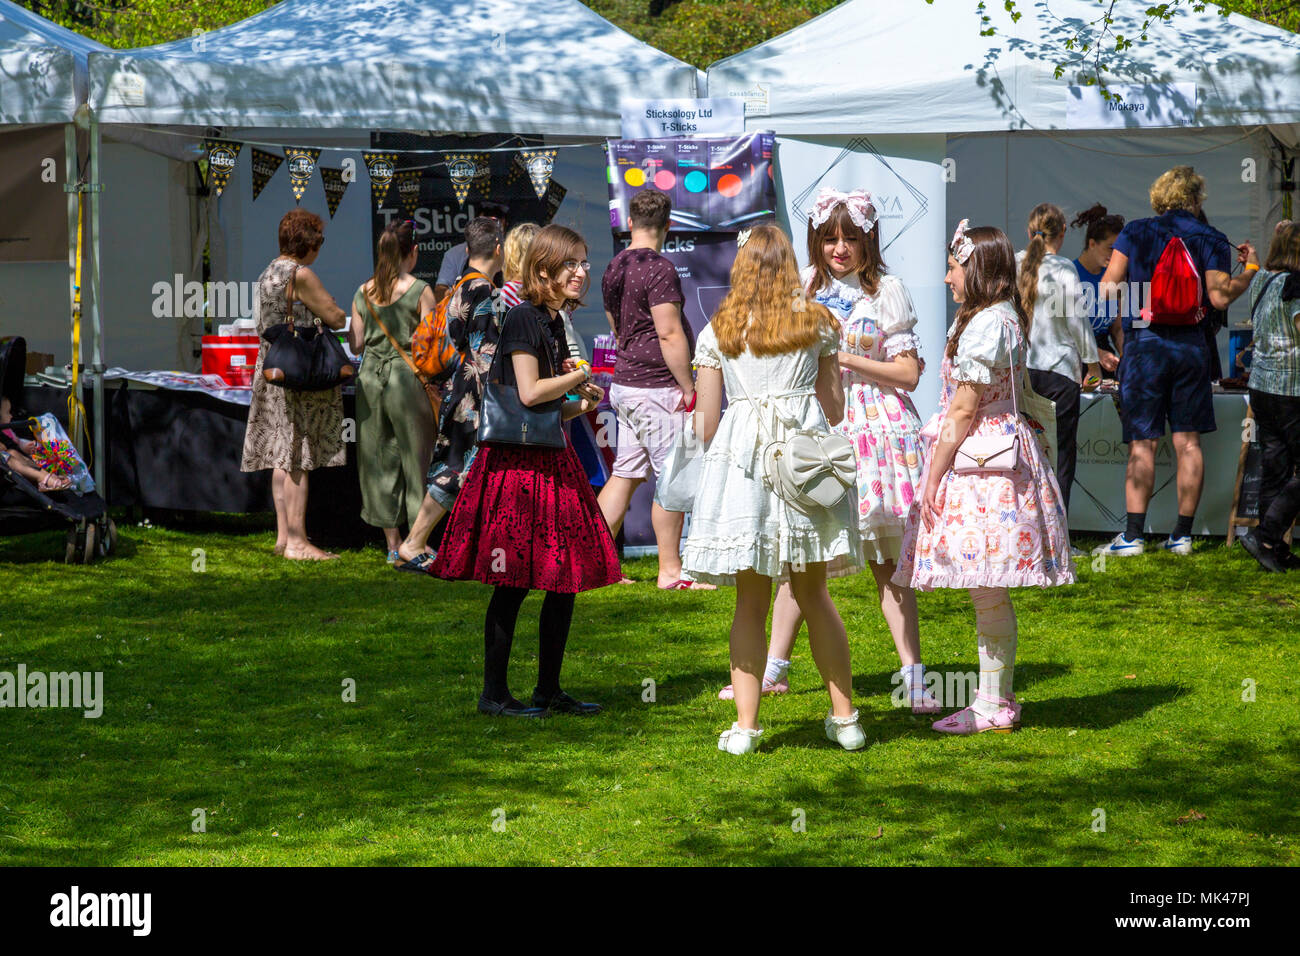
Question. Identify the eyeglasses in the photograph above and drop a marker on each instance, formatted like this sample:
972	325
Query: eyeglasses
574	265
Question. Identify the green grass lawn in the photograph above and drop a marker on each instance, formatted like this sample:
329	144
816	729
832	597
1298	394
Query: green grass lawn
223	691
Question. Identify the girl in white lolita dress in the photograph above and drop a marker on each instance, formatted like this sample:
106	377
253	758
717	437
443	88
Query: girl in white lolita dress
774	356
879	365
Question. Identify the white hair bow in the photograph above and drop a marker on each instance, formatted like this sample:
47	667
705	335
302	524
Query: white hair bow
961	247
861	207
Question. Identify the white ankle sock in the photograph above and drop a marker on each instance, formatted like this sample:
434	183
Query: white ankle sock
776	669
914	679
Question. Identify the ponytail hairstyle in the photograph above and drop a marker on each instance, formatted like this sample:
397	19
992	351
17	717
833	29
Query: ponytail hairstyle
1045	222
395	244
1100	225
990	269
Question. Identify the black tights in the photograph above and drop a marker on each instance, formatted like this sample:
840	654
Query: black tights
499	634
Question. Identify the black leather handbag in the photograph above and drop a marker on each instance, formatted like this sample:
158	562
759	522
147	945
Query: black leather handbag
304	358
504	418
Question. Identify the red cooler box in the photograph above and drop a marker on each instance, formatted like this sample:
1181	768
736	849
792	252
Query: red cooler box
233	357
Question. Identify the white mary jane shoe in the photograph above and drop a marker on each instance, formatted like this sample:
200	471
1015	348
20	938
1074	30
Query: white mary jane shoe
738	740
846	731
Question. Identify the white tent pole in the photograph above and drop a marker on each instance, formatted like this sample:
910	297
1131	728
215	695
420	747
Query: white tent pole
97	352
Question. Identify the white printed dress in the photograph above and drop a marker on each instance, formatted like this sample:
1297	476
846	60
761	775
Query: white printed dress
738	523
881	421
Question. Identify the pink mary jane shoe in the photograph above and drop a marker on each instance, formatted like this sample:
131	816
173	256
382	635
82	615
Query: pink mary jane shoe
965	722
769	687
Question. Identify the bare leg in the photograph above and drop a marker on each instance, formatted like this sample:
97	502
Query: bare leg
786	621
826	636
748	657
1191	471
614	499
898	605
668	536
278	476
392	539
1140	477
297	546
417	541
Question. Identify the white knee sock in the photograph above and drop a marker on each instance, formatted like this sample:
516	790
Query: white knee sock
995	626
776	669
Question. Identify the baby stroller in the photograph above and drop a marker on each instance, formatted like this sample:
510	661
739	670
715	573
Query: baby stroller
24	508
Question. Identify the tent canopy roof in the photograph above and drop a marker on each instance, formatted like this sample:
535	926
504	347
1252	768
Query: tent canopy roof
522	66
914	67
42	68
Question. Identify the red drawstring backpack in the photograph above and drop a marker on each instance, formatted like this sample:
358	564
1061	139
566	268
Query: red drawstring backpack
1176	296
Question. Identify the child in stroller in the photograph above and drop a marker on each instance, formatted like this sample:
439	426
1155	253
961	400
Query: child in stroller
19	458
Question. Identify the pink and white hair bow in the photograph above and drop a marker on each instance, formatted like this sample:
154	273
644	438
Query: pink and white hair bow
961	247
862	209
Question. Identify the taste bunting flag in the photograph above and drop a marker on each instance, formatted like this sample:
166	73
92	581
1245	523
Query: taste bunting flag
540	164
302	166
335	187
380	167
222	156
264	167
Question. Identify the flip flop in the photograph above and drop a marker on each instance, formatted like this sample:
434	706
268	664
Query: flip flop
683	585
420	564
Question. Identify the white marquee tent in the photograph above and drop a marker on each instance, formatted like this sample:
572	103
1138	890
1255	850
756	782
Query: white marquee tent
981	127
42	68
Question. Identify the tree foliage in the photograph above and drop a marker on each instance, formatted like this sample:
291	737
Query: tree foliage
697	31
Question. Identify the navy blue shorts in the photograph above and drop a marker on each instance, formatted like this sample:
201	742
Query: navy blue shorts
1165	377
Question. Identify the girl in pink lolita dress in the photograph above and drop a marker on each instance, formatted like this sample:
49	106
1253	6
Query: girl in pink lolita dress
986	531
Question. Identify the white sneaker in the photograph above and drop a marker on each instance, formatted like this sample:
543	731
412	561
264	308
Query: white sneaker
738	740
1181	545
846	731
1121	547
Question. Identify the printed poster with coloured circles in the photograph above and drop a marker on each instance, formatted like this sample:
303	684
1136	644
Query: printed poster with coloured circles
716	184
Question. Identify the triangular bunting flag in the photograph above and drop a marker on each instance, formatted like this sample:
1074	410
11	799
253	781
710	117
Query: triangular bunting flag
302	166
335	187
408	190
264	167
380	166
222	156
540	164
483	178
463	170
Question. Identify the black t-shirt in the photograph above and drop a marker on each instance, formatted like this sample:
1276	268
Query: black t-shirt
527	328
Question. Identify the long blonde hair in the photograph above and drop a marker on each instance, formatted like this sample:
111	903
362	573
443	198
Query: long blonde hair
516	246
765	285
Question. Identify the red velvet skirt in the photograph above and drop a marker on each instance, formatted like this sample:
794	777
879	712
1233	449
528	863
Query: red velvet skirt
527	518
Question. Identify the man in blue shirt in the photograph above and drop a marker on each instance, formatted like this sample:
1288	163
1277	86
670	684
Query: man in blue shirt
1165	369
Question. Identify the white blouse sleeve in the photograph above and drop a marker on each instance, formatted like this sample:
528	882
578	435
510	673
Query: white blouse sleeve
706	350
830	342
897	317
984	345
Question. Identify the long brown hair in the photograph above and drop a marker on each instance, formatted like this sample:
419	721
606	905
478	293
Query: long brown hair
765	285
990	279
395	244
1046	223
551	248
840	223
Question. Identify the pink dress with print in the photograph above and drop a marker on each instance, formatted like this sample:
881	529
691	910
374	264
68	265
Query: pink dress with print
996	529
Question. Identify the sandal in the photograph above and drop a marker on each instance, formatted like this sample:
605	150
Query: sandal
967	721
51	482
420	564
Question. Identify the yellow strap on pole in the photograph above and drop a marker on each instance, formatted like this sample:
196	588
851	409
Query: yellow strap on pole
77	408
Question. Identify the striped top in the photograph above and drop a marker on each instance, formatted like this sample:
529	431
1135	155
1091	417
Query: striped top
1275	362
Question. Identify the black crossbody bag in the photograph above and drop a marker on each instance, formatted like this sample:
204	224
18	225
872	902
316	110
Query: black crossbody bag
505	419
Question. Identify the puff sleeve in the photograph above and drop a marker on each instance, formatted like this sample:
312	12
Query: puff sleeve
984	345
897	317
829	342
706	350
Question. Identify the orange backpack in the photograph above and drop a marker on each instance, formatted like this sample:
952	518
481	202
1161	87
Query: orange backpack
431	347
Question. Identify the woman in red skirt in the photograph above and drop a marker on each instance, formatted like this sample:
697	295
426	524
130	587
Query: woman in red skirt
526	518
